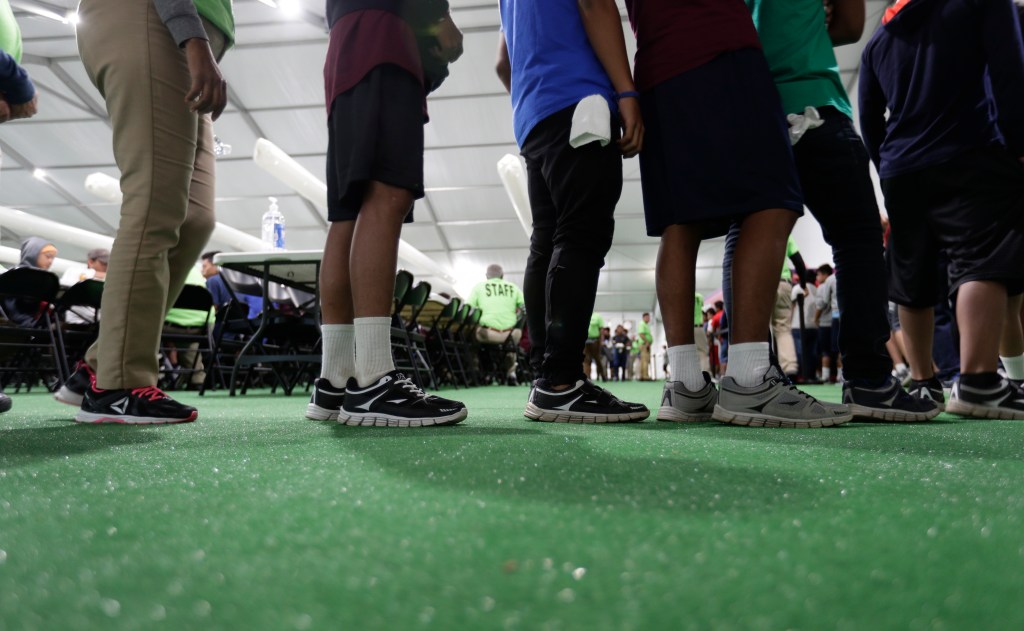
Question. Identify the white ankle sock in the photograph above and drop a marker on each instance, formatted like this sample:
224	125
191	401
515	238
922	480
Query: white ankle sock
826	373
748	362
373	350
339	348
685	365
900	367
1014	366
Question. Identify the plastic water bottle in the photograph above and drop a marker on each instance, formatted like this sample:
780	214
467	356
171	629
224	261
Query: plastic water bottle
273	227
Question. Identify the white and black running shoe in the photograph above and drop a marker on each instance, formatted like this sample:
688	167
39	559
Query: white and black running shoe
1003	401
583	403
325	402
73	390
928	389
888	402
395	401
138	406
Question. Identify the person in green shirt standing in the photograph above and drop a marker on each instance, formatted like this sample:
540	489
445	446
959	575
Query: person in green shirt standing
797	37
593	351
500	302
155	64
645	339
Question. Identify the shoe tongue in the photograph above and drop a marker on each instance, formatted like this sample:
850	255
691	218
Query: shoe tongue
773	372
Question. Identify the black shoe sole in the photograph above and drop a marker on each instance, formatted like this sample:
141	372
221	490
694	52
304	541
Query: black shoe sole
866	414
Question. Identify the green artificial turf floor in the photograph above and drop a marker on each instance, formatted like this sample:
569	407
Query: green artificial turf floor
255	518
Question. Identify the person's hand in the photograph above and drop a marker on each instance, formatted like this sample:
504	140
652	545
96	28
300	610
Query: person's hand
449	41
632	141
828	12
10	112
209	91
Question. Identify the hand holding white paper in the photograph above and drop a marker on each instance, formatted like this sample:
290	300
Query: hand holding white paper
592	121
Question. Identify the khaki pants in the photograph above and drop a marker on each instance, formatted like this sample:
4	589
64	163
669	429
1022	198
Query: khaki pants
485	335
592	352
165	154
782	328
645	362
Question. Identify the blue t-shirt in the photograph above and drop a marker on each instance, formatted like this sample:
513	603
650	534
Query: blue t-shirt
553	64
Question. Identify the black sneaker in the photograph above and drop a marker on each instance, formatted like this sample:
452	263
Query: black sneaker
326	401
583	403
929	389
73	390
1004	401
395	401
5	403
138	406
888	402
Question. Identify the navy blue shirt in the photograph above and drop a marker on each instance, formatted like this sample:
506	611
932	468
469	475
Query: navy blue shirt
927	67
15	85
553	65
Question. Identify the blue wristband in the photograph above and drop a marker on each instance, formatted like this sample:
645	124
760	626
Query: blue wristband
627	95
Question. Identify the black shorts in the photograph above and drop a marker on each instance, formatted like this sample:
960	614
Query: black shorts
374	133
973	208
716	146
827	340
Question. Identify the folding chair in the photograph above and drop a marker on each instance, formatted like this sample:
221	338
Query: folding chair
78	312
32	352
193	341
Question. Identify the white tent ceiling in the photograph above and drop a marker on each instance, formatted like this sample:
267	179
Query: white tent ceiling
276	82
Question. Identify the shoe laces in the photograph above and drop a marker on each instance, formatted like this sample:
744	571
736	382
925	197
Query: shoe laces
409	386
784	380
151	392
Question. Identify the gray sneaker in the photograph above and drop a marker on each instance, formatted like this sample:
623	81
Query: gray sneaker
680	405
774	403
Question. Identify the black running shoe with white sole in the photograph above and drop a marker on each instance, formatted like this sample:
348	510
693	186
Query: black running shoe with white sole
395	401
929	390
73	390
887	402
1003	401
585	402
5	403
138	406
325	403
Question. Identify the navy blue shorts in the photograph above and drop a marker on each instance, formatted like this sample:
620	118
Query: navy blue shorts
716	146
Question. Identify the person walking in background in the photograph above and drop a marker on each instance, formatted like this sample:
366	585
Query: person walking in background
645	339
593	351
575	115
155	63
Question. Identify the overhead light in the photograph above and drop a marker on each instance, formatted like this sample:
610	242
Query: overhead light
290	8
513	177
105	187
269	3
39	174
220	149
72	18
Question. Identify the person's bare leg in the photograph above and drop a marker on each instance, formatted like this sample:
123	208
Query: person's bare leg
755	273
335	276
677	262
372	263
1011	344
918	336
894	353
980	310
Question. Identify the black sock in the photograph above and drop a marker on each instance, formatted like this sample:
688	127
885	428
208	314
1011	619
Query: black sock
981	380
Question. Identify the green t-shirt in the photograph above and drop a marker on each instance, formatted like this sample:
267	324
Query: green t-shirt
190	317
498	299
796	43
10	34
220	13
791	249
698	309
643	332
596	324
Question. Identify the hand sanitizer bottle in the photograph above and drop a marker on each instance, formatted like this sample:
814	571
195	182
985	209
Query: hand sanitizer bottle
273	227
